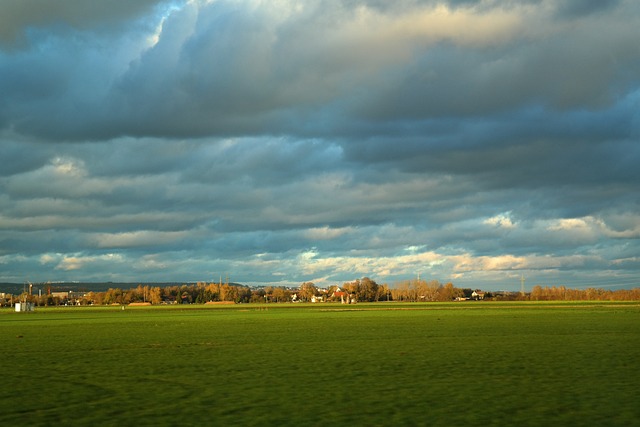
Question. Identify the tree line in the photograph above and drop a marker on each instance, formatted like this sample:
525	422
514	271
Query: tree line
562	293
359	290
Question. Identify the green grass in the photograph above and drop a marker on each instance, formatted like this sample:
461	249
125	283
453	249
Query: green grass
472	364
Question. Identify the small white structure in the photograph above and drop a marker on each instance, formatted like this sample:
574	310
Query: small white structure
24	306
477	295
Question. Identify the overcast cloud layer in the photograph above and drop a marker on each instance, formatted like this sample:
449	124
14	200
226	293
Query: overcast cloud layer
286	141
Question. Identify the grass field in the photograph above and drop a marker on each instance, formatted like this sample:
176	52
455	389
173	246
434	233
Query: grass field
467	364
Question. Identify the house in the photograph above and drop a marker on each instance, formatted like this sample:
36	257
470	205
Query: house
477	295
62	295
340	294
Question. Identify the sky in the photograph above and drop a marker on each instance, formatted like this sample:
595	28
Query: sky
278	142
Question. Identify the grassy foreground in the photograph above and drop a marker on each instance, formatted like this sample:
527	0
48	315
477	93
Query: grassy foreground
472	364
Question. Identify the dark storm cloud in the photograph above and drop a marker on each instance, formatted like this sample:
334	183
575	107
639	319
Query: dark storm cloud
21	156
579	8
354	74
527	149
21	16
228	68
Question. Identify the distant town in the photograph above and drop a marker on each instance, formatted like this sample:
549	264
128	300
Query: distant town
361	290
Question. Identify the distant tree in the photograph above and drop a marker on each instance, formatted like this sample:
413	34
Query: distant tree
129	297
448	292
307	291
368	290
280	294
138	294
96	297
244	294
229	293
155	295
384	293
428	291
112	296
402	291
536	293
259	295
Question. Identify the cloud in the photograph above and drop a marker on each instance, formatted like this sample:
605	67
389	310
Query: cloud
502	221
288	141
228	68
578	8
138	239
366	66
325	233
217	197
590	226
79	261
20	16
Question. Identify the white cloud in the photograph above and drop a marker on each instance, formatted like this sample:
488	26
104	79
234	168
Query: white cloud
592	226
48	259
501	221
80	262
326	233
138	239
572	224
